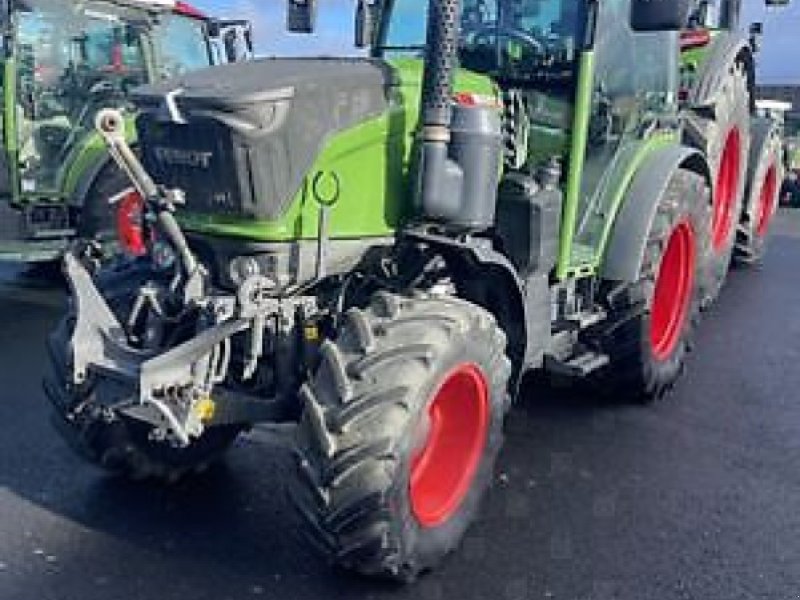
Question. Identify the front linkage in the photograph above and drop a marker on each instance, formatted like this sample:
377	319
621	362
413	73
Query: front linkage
176	392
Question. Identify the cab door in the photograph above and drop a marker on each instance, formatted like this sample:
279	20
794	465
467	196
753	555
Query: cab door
634	80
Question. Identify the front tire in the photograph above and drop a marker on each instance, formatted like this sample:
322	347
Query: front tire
401	430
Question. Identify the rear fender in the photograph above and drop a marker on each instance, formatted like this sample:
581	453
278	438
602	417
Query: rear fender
728	49
625	252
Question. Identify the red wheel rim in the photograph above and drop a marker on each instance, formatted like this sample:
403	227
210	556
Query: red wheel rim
129	223
673	291
767	201
443	470
727	188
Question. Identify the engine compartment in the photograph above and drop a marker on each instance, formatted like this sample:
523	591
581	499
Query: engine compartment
241	140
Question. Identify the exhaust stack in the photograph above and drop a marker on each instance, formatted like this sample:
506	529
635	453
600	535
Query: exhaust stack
440	65
461	146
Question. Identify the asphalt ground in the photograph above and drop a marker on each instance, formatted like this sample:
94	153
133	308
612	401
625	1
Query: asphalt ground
697	497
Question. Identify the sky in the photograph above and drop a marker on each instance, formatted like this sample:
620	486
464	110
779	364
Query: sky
779	61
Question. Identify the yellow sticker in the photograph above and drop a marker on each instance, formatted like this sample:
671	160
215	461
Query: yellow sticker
206	409
312	333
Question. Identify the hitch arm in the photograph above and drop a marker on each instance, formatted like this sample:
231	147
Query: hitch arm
111	126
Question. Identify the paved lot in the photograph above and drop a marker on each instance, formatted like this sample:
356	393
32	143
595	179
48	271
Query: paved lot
698	497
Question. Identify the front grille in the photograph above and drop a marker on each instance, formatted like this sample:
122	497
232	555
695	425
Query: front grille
201	159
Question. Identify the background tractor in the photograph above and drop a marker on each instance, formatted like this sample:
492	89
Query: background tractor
743	147
63	61
379	249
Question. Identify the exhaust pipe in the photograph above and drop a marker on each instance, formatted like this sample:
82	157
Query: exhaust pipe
440	65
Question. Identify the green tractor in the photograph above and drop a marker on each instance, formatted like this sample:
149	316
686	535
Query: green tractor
743	148
378	249
62	62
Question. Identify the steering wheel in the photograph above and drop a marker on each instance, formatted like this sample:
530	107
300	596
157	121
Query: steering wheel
514	33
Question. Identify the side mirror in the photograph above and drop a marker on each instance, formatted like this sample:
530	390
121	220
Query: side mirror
6	9
230	40
756	30
6	35
301	16
366	22
659	15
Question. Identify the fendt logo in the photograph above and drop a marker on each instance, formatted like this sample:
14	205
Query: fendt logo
176	157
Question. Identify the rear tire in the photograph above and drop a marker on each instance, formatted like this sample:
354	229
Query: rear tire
390	475
761	201
648	332
725	140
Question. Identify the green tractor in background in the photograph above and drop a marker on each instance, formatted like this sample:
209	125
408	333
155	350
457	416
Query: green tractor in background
718	79
63	61
379	249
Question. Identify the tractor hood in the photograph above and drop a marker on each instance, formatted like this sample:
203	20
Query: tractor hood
241	139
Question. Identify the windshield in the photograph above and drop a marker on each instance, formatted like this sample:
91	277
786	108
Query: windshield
519	40
72	59
181	45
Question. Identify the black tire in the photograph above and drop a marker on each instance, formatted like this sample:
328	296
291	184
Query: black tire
645	362
716	138
761	199
98	215
358	437
116	443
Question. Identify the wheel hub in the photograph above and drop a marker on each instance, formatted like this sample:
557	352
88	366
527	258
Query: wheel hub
673	291
443	470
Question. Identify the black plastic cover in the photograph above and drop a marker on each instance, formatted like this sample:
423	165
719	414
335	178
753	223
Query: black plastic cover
240	139
528	223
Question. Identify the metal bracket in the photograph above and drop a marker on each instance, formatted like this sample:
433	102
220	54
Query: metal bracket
98	340
171	104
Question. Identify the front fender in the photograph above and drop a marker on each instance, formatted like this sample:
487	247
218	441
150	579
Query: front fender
487	278
83	184
625	252
86	164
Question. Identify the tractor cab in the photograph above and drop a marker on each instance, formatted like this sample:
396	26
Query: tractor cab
532	52
557	64
73	59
